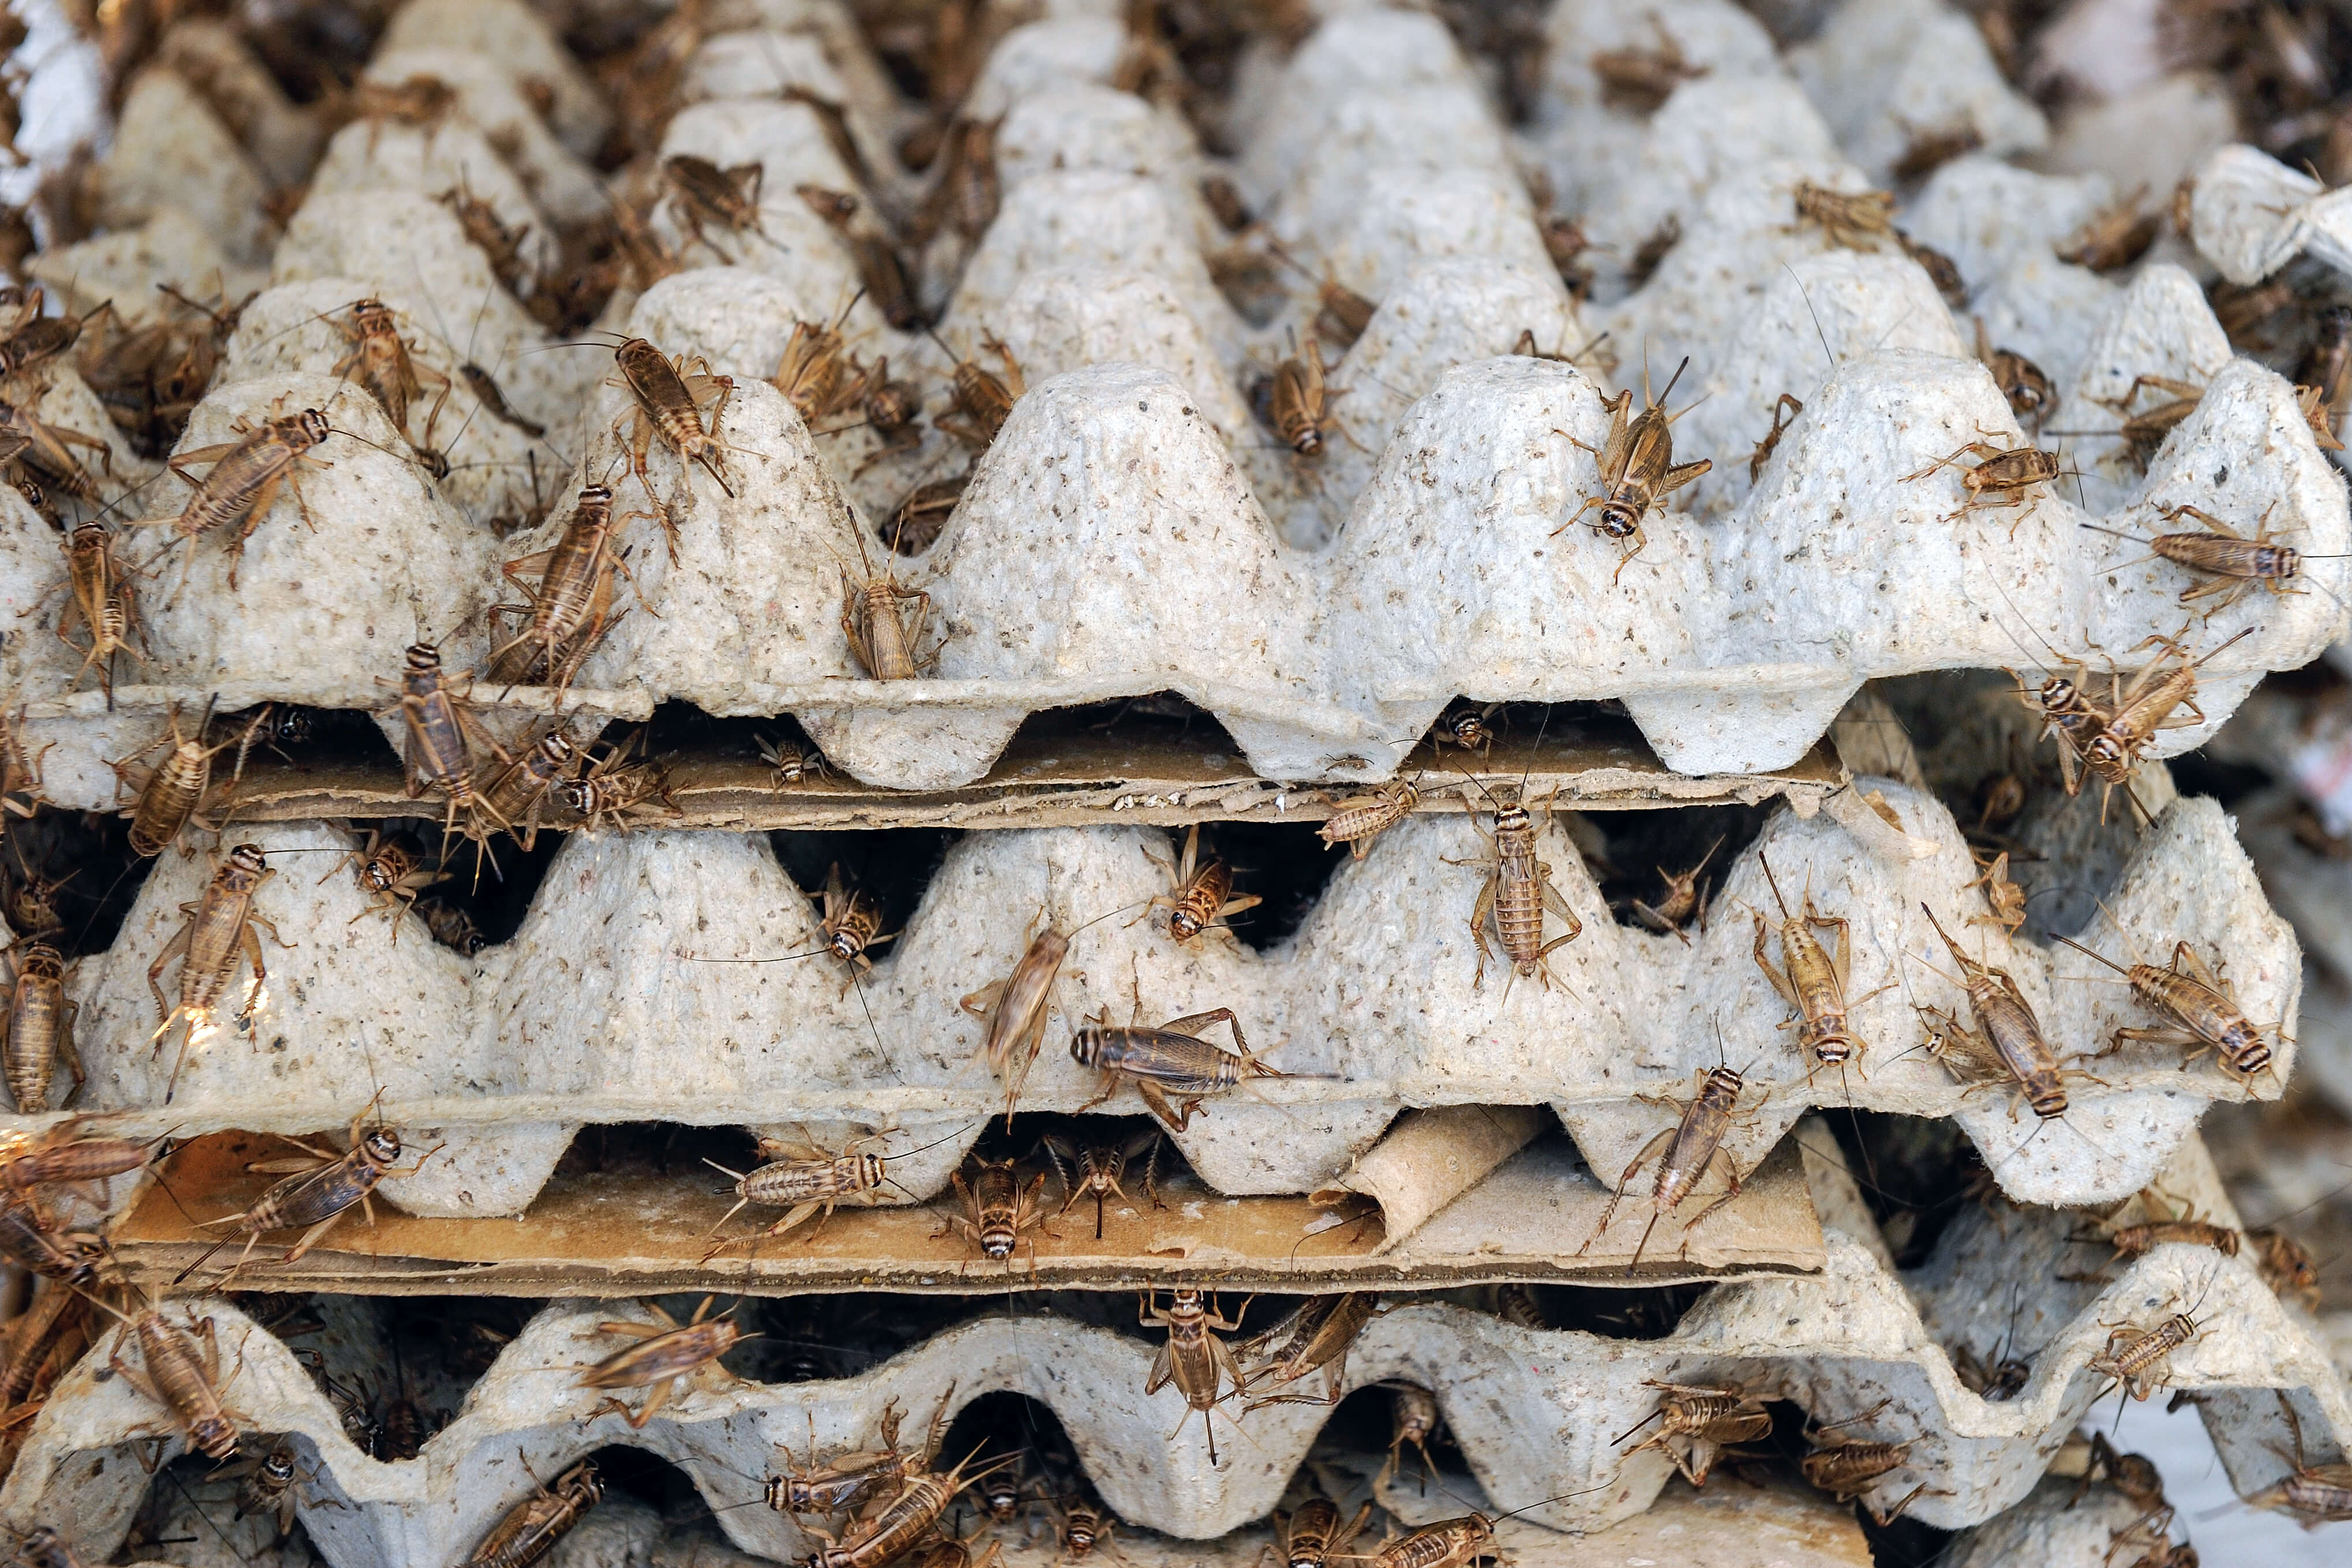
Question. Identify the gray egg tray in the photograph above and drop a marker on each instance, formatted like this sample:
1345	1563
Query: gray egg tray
603	1008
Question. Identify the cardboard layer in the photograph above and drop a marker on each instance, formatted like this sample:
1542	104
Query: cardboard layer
1058	773
595	1235
1766	1521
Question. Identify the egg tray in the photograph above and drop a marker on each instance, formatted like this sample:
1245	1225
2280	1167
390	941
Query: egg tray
602	1009
1532	1409
1183	555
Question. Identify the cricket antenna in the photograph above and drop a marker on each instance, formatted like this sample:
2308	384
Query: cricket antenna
1772	882
1816	315
2087	952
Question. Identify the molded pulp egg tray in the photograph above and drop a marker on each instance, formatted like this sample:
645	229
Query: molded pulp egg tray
1533	1409
603	1008
1132	530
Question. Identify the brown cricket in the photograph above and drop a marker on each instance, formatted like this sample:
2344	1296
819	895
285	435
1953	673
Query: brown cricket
1204	892
1318	1336
1340	313
219	933
1517	892
669	402
2004	477
885	1536
2115	237
924	512
800	1186
2009	1029
246	475
1704	1420
997	1209
792	765
571	606
615	789
381	363
36	1030
2004	898
1448	1543
665	1357
514	794
1637	467
982	401
848	1483
1016	1008
2143	1236
532	1527
1465	725
1314	1537
266	1486
2138	712
54	1319
885	639
389	874
323	1186
1812	978
2202	1006
1850	220
501	247
171	795
810	372
852	923
2024	384
1846	1467
1693	1150
486	391
2232	563
2133	1358
1685	899
2287	1267
1299	401
20	771
450	926
2144	433
102	596
1414	1418
1359	819
1192	1358
61	1157
1101	1168
1642	79
28	1241
37	338
2314	1494
701	193
182	1375
26	438
440	734
1167	1062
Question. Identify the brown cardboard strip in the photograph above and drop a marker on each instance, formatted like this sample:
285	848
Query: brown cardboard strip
594	1235
1428	1159
1059	772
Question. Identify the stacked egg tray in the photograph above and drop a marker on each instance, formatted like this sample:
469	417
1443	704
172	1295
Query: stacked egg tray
1152	614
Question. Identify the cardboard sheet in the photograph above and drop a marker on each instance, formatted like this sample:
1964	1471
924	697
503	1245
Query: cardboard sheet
1059	772
593	1236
